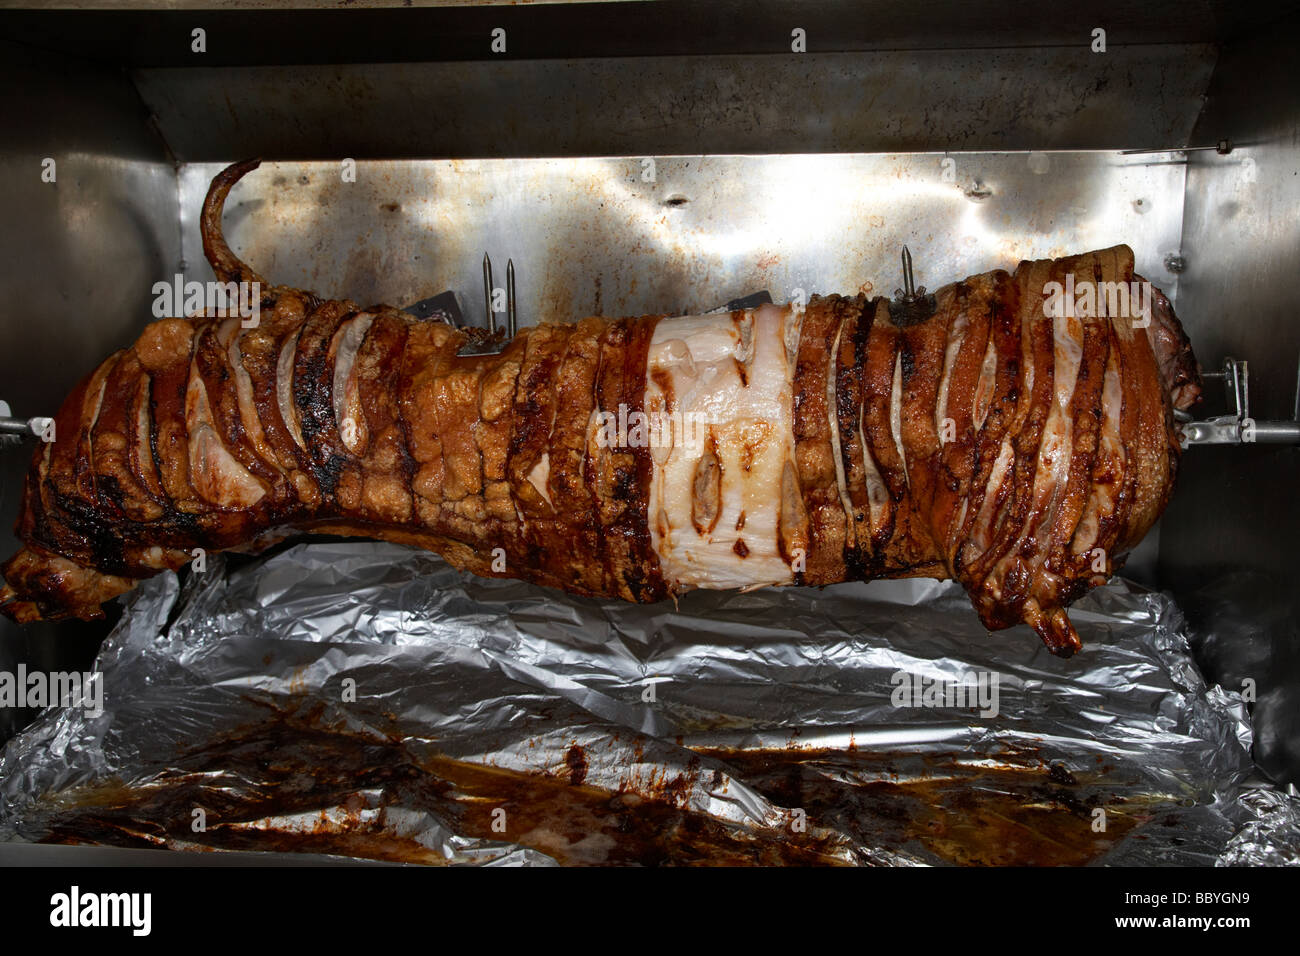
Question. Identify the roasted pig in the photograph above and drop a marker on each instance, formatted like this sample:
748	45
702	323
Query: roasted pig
1018	436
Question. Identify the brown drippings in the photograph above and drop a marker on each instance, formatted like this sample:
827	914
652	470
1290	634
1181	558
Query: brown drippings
1020	813
743	372
296	771
576	760
305	779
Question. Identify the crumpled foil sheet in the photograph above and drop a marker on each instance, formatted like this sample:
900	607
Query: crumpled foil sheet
360	699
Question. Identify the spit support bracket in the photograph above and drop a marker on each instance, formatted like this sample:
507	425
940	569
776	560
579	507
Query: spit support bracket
1238	427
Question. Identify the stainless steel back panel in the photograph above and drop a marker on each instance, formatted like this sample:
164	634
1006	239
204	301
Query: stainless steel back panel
592	236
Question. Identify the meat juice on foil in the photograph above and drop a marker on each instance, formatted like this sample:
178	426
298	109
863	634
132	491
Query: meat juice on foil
364	700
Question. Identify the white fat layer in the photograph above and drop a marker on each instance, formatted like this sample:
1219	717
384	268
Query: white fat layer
832	416
1052	468
1027	360
982	528
984	386
98	405
144	462
143	434
877	493
540	476
896	414
346	392
1110	452
95	408
984	518
215	473
284	389
228	335
731	385
1052	474
956	336
958	522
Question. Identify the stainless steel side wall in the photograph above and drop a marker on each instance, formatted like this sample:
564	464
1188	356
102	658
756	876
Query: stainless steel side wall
1229	541
78	257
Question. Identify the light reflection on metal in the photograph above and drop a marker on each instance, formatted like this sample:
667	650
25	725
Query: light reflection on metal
600	240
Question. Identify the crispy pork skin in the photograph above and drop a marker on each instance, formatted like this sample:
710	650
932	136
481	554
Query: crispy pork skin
1015	440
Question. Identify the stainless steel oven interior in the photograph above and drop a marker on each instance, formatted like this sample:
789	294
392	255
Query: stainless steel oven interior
625	170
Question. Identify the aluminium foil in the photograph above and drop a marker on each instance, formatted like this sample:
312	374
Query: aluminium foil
364	700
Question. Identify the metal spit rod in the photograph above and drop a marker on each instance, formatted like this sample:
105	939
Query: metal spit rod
1235	428
1223	147
12	429
24	428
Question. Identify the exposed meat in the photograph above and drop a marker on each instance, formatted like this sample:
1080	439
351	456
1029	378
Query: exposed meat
1017	440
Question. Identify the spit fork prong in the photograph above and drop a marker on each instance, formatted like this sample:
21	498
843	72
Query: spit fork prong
909	281
911	304
487	294
511	327
489	340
